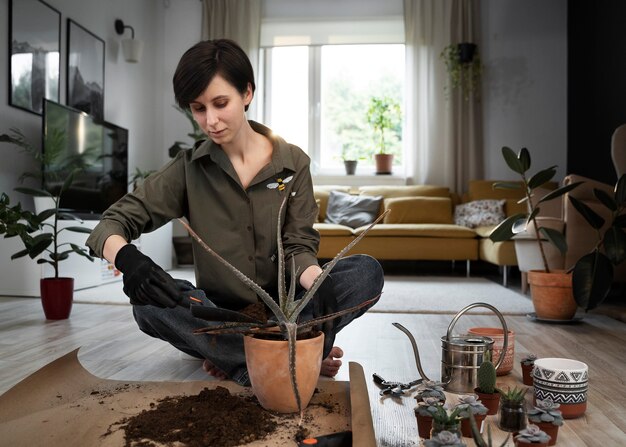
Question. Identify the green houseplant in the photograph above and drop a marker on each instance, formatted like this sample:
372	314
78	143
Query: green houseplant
443	439
532	435
486	390
547	303
470	405
285	329
40	232
464	67
527	364
196	134
446	420
547	417
383	115
424	414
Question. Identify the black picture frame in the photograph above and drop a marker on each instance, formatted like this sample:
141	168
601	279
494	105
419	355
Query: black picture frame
85	70
34	54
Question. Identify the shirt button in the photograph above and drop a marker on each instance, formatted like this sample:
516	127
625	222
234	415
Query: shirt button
250	258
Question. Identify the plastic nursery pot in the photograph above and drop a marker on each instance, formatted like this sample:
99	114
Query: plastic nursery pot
512	416
424	425
466	426
489	400
527	374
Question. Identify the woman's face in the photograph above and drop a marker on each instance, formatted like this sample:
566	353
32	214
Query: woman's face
220	110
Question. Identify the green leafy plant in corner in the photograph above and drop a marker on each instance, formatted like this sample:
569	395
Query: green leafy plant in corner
287	309
465	73
520	163
383	115
196	134
592	275
40	232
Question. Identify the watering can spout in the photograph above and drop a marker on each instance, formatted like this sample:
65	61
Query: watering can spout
415	351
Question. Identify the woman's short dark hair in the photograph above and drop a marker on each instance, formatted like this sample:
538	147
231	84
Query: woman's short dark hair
200	63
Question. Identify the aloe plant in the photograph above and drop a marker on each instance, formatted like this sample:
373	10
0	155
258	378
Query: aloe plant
288	308
478	437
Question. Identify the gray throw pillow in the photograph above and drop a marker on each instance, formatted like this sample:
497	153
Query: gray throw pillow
350	210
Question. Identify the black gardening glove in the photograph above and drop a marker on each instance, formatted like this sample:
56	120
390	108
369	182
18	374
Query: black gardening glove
325	303
144	281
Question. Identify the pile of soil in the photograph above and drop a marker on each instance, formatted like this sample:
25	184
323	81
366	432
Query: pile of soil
213	417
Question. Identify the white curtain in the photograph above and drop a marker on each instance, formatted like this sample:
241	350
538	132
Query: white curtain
239	20
443	133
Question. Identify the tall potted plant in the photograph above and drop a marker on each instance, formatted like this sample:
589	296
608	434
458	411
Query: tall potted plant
551	290
279	337
383	114
39	232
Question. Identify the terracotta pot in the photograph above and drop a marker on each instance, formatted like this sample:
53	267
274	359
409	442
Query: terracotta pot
489	400
550	429
552	294
268	368
527	374
497	334
534	444
424	425
384	163
466	425
57	295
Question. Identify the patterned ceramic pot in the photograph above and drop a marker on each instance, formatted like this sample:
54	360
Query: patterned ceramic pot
565	381
497	335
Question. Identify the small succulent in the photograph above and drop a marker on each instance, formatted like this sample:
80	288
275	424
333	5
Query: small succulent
529	359
444	438
478	437
546	411
513	396
532	434
470	404
431	388
487	378
427	407
444	416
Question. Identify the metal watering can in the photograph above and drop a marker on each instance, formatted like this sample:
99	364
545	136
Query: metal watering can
462	355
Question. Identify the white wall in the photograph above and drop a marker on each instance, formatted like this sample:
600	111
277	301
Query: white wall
525	83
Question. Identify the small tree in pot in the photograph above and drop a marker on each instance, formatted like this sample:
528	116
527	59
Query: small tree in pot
383	115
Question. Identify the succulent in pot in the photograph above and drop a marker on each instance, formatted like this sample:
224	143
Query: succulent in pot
470	405
444	438
486	390
424	414
547	417
431	388
532	435
527	364
512	411
284	325
445	419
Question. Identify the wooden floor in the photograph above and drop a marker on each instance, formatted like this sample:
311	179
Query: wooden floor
112	347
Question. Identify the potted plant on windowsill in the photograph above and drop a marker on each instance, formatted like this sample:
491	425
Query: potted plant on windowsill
383	115
551	290
278	337
464	67
39	232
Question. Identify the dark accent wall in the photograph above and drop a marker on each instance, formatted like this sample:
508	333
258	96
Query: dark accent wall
596	85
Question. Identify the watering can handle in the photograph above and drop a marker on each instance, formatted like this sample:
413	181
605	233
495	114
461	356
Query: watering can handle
498	314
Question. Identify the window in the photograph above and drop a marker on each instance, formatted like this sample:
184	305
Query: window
317	96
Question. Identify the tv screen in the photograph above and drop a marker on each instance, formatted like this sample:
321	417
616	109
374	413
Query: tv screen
97	151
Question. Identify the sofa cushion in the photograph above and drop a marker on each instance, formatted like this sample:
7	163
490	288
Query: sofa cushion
479	213
352	210
405	191
328	229
419	230
435	210
321	193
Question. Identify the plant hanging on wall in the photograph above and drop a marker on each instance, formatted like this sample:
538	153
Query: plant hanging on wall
464	67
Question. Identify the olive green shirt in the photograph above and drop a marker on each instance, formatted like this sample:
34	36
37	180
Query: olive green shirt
239	224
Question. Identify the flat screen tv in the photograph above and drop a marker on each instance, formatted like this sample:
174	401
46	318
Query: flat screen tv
96	151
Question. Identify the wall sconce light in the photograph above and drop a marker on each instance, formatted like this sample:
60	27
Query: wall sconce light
130	47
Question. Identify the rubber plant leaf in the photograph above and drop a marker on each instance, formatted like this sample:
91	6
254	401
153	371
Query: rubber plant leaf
512	161
506	185
504	230
594	219
620	190
524	159
556	238
542	177
606	199
559	192
591	280
615	245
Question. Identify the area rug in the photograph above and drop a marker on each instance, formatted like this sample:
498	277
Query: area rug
448	295
401	294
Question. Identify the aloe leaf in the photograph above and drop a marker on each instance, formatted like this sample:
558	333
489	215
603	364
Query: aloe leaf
282	293
542	177
556	238
591	280
594	219
512	161
291	329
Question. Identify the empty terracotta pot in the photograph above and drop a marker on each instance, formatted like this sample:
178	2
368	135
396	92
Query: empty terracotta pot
497	334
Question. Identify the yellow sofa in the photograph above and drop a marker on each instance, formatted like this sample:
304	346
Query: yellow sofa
420	225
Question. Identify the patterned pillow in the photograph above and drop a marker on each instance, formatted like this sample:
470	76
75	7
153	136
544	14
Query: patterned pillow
479	213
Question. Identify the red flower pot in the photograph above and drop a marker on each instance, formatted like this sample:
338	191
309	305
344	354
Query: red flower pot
424	424
466	425
56	297
527	374
491	401
551	429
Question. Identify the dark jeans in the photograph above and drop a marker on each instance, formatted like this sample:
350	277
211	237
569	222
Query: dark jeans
355	279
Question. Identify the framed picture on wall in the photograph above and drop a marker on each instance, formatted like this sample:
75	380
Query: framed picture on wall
34	60
85	70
